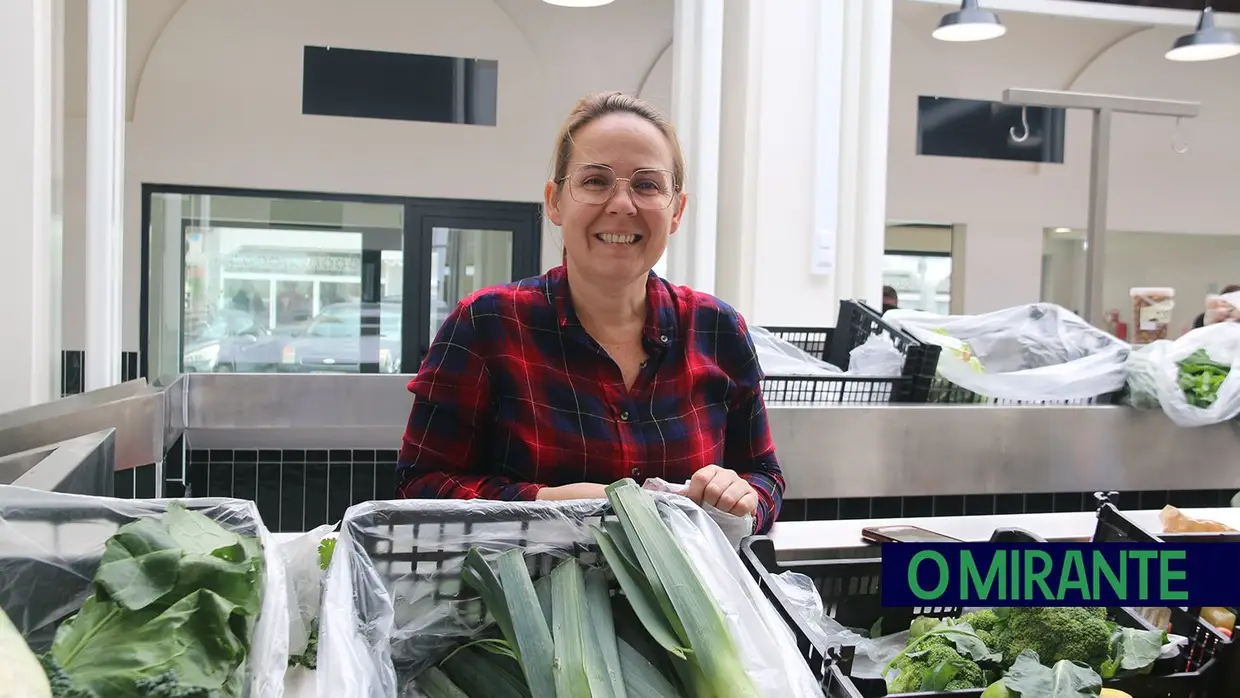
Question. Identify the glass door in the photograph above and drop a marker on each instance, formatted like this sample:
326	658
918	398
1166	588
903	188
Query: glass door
463	249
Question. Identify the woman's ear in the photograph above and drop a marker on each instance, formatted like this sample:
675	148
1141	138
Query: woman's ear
551	202
681	201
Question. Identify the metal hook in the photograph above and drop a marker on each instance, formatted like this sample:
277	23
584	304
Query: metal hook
1177	145
1024	123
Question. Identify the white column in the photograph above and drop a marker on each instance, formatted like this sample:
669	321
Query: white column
105	189
29	357
697	87
802	212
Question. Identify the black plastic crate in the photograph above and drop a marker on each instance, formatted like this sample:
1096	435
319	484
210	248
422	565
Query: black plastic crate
856	323
852	595
815	341
1114	527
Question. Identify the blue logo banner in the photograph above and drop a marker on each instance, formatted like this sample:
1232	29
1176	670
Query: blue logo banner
1061	574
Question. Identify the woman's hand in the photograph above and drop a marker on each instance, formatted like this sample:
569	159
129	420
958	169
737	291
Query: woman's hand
577	490
722	489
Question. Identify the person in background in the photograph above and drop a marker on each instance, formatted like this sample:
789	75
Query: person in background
891	301
553	387
1200	321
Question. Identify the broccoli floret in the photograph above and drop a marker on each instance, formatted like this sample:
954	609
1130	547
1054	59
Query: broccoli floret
62	685
1076	633
983	620
167	686
928	657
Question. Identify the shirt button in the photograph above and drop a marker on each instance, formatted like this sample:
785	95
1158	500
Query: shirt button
663	338
624	416
636	472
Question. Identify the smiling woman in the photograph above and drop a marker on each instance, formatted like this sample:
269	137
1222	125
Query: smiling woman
552	387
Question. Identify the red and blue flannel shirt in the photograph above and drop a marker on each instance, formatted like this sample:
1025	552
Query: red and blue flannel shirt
514	396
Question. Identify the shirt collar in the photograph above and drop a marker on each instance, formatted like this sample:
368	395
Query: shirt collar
660	319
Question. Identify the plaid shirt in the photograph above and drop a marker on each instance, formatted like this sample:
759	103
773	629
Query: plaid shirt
514	395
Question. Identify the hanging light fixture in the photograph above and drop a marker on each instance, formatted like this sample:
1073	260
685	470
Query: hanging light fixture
1208	43
969	23
579	3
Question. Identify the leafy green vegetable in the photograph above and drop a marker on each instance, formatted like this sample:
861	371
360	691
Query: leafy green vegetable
174	606
1029	678
327	547
1201	378
1133	652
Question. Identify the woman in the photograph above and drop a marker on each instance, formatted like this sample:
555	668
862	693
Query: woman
552	387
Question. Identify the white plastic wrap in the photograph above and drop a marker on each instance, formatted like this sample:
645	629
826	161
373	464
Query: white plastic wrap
1031	353
305	584
382	624
1222	342
878	357
779	357
50	549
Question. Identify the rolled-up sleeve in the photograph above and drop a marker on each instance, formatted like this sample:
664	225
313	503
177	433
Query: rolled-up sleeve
749	449
449	421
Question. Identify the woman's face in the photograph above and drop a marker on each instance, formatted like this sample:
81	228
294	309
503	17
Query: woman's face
616	240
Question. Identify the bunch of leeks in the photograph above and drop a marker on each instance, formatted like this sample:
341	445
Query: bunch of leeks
565	636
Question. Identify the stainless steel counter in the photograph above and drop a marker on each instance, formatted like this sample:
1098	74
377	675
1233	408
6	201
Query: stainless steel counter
826	451
833	451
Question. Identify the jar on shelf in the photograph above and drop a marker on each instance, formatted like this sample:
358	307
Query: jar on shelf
1151	313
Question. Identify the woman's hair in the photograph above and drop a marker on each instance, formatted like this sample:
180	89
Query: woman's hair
1231	288
598	105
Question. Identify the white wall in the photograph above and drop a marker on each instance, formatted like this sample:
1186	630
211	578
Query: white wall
217	102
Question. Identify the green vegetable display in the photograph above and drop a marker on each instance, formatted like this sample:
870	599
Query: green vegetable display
1022	652
1201	378
172	612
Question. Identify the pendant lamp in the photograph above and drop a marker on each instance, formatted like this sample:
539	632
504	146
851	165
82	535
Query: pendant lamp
1208	43
579	3
969	23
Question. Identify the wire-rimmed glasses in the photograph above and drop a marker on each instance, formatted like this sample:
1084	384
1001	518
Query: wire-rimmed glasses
651	189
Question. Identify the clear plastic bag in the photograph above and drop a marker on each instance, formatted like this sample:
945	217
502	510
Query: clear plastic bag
305	584
1037	352
50	549
1221	341
877	356
806	602
735	528
389	612
779	357
1143	367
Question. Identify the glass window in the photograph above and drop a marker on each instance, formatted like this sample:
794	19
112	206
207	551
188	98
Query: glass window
922	281
261	284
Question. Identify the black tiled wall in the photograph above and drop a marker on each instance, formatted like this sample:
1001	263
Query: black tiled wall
295	489
73	370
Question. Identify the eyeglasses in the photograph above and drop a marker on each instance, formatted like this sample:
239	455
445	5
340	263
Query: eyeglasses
595	184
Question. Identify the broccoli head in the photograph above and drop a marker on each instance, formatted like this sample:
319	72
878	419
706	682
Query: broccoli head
1076	633
929	656
984	620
